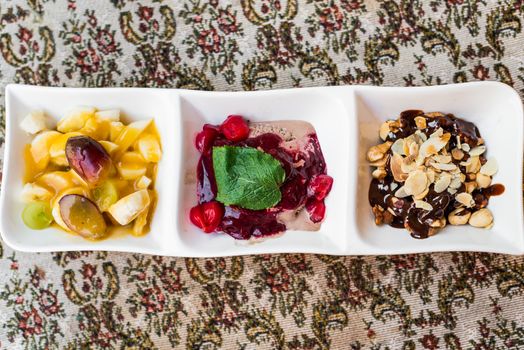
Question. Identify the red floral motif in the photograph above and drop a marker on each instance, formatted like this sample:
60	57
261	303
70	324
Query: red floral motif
296	262
30	323
88	61
170	278
48	303
153	299
480	72
227	22
429	341
145	13
402	262
209	41
331	19
278	279
106	41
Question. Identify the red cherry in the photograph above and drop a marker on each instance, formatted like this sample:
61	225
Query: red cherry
204	139
207	216
320	186
316	210
235	128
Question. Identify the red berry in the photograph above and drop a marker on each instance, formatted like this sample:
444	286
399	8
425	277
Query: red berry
207	216
320	186
204	139
316	210
235	128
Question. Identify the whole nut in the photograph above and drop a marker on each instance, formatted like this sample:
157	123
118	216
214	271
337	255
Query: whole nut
420	122
459	216
379	173
457	154
481	218
377	152
483	180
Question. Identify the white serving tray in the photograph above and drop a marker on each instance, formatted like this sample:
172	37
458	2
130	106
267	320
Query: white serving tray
346	119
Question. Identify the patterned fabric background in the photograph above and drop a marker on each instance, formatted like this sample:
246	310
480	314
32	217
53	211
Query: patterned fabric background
127	301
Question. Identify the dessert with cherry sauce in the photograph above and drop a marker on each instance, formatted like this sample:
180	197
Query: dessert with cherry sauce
256	180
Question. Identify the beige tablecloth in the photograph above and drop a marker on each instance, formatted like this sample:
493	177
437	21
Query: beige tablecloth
112	300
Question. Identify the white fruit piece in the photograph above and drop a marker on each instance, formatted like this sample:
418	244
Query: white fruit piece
33	192
109	114
130	134
128	208
131	166
40	147
114	130
143	182
76	119
149	147
34	122
57	180
109	146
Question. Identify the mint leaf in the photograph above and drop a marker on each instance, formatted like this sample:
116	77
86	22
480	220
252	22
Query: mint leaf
247	177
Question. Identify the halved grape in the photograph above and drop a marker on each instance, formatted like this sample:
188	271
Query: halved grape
88	158
82	216
105	195
37	215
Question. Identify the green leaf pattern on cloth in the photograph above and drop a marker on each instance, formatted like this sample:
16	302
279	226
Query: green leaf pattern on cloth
99	300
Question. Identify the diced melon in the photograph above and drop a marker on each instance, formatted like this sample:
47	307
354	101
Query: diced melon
76	119
143	182
129	207
34	122
33	192
130	134
56	180
40	147
109	114
109	146
114	130
131	166
149	147
96	128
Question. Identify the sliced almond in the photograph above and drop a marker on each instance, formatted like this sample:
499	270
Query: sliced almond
477	151
423	137
455	182
434	114
480	141
483	180
490	167
474	165
434	144
396	168
443	166
459	144
439	158
420	122
394	185
401	193
430	173
465	199
442	183
452	190
481	218
466	147
421	195
423	205
416	183
457	154
398	147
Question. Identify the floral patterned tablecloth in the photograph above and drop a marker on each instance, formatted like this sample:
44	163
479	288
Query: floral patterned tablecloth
129	301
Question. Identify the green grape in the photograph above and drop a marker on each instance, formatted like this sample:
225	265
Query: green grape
105	195
37	215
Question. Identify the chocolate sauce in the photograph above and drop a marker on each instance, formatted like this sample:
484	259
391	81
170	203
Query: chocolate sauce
405	215
300	166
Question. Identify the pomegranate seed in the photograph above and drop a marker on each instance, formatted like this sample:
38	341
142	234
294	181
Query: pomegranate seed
207	216
320	186
235	128
316	210
204	139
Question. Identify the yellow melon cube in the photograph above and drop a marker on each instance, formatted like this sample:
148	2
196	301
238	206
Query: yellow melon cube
76	119
149	147
40	148
131	166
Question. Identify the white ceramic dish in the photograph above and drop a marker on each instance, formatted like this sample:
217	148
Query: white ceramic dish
346	119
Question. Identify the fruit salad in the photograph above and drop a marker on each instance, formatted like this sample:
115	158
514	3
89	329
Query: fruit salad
91	173
256	180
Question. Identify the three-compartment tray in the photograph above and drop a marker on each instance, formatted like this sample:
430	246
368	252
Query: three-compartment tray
346	119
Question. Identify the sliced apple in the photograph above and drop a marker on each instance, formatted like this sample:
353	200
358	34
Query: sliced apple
149	147
33	192
131	166
76	119
40	147
130	134
112	115
34	122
